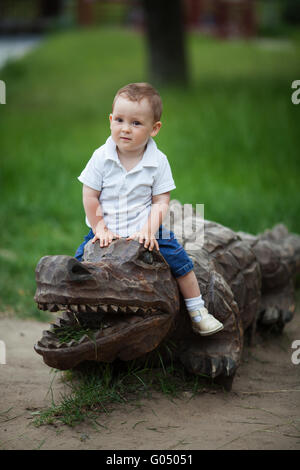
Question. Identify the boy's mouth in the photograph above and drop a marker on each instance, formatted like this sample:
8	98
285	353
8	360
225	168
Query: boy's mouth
125	138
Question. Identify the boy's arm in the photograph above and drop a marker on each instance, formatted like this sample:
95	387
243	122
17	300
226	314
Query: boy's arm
159	208
94	213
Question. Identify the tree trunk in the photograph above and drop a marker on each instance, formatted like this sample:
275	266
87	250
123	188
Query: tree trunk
50	8
165	37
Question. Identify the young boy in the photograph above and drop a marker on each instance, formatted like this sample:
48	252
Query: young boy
126	192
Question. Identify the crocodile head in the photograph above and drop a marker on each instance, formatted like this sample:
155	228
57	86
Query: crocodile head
124	292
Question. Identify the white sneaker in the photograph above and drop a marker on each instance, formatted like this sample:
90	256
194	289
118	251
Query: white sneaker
208	325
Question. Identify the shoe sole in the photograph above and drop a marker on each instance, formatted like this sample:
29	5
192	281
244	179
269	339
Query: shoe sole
210	332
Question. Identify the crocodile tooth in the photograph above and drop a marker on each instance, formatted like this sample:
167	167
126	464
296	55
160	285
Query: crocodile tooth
213	367
82	308
84	339
45	344
48	334
151	311
93	308
270	316
62	345
48	340
74	308
104	307
143	309
72	343
114	308
230	365
122	309
56	323
133	309
42	306
42	343
68	316
52	307
61	306
227	367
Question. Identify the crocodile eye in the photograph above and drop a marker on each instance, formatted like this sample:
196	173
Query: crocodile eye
147	257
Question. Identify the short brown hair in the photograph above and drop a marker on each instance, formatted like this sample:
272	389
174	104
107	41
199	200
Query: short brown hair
138	91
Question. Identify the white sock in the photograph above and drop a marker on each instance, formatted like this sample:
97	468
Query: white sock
193	304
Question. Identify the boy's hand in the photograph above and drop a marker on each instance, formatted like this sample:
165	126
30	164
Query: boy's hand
105	236
149	240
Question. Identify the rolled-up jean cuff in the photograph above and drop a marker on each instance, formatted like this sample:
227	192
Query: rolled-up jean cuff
183	269
80	250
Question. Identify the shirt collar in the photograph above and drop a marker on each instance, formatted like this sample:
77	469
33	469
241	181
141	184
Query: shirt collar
149	157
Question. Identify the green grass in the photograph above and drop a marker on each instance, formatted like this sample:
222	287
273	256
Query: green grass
68	333
232	139
96	388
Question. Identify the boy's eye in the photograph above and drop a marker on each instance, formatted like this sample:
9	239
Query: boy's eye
136	123
118	119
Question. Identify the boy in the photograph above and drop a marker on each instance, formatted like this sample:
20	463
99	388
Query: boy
126	193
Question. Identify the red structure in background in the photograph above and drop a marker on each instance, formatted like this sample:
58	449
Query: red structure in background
223	18
85	12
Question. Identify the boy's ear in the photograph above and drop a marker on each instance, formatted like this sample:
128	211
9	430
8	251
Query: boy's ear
156	127
110	118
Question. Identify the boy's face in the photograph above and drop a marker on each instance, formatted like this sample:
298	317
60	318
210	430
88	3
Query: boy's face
131	124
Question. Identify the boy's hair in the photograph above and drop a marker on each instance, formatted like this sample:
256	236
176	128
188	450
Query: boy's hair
138	91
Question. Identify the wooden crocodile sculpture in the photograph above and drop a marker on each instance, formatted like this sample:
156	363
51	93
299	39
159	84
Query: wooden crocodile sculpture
128	297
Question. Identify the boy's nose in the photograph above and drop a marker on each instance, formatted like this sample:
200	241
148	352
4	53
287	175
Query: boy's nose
125	127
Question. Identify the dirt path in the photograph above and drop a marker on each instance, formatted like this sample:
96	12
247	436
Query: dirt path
261	412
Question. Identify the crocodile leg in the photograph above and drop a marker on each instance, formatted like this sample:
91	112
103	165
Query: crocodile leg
217	356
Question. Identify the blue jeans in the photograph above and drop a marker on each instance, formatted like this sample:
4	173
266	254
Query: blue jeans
175	255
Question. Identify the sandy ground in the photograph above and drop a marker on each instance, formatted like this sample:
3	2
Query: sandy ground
261	412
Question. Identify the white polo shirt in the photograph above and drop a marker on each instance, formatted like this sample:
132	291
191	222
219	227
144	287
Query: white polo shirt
126	196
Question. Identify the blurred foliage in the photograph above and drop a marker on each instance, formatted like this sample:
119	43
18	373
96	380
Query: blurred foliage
273	16
291	11
23	9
